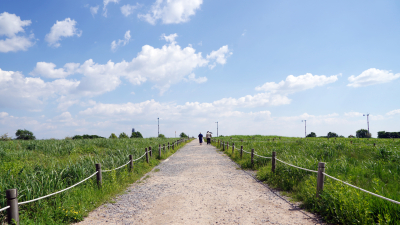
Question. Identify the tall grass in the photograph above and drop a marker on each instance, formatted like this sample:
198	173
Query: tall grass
374	168
38	168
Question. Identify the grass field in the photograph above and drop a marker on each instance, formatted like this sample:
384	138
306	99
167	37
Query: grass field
37	168
374	168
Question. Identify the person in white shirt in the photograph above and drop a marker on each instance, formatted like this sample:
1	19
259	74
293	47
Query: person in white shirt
208	136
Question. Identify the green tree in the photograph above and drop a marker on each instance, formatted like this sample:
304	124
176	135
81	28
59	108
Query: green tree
113	136
24	135
183	135
362	133
136	134
161	136
331	135
312	134
123	135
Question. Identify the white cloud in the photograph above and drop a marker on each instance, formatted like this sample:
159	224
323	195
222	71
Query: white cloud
353	114
126	10
94	9
115	45
199	80
393	112
219	56
60	29
45	69
294	84
3	114
171	11
372	76
106	2
10	26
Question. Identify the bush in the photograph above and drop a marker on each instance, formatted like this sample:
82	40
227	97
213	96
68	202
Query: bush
183	135
5	137
312	134
362	133
161	136
85	136
332	135
136	134
123	135
24	135
351	136
113	136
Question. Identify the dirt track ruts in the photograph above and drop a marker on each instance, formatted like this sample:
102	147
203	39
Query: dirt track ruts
199	185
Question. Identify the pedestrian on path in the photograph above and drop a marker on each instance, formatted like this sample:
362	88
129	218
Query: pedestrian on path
200	138
208	136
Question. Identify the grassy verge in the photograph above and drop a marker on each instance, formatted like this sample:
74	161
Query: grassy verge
357	161
41	170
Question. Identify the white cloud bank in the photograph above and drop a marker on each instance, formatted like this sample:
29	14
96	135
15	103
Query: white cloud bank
60	29
127	9
116	44
372	76
171	11
10	26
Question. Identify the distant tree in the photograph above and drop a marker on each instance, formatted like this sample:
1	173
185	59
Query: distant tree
85	136
123	135
383	134
351	136
183	135
161	136
331	135
136	134
24	135
312	134
362	133
113	136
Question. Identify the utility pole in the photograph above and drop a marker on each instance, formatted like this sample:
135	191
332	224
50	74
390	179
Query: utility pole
217	128
367	120
158	127
305	127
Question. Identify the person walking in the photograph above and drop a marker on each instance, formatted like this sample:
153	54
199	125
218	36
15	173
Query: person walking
208	136
200	138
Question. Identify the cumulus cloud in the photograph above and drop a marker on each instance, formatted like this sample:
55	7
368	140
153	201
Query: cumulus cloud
393	112
171	11
94	9
192	77
106	2
126	10
60	29
372	76
116	44
48	70
219	56
10	26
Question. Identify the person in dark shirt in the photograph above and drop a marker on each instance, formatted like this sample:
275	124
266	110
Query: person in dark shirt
200	138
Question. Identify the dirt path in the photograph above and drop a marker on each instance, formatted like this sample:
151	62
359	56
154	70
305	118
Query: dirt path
199	185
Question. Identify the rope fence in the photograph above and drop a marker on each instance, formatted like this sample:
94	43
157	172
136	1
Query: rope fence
11	194
321	169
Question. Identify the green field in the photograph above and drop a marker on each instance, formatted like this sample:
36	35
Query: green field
374	168
37	168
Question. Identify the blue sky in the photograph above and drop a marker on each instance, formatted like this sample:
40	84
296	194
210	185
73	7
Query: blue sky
259	67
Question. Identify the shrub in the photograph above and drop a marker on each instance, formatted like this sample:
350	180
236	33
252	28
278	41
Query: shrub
161	136
123	135
136	134
331	135
362	133
312	134
113	136
351	136
183	135
24	135
5	137
85	136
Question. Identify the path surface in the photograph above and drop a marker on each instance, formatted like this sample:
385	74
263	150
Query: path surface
199	185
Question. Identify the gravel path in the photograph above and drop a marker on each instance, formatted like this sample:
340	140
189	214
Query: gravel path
199	185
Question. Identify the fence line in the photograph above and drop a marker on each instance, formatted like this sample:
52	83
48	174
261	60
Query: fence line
15	210
320	173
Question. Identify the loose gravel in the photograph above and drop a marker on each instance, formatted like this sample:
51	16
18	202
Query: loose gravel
199	185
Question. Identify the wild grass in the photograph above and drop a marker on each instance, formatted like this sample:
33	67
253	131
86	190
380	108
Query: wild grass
37	168
374	168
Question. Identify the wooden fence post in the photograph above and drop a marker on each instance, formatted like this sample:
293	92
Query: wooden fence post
130	163
233	148
252	157
168	146
159	151
223	146
12	201
164	147
147	155
320	179
98	175
273	161
241	151
173	147
150	152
